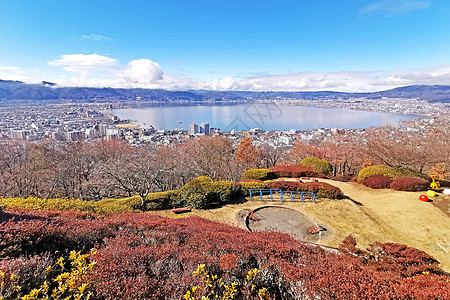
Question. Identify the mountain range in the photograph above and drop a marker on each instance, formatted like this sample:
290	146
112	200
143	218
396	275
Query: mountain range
17	90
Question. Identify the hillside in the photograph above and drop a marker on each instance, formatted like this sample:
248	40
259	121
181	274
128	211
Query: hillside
150	257
14	90
369	215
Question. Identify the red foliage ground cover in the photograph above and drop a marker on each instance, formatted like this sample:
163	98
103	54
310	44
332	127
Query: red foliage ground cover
150	257
294	171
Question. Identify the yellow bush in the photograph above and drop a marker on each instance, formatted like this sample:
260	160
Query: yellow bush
317	164
247	186
390	172
374	170
258	174
70	284
215	287
106	206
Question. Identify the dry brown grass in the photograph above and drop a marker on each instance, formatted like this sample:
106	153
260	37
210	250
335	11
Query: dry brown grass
382	215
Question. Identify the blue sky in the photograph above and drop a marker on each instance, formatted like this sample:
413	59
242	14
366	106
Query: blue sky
225	45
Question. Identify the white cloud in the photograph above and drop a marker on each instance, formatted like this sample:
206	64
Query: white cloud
83	62
83	65
391	8
9	68
95	37
12	73
100	71
346	81
140	73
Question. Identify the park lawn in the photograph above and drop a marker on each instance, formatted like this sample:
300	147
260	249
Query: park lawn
373	215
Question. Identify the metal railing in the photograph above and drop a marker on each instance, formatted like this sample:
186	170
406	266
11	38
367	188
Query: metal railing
271	192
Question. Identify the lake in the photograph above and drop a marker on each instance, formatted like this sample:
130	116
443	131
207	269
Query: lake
267	116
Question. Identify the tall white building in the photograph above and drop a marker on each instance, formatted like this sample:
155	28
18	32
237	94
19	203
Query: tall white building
112	133
18	134
193	128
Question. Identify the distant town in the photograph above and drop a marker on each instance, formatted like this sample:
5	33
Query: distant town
93	121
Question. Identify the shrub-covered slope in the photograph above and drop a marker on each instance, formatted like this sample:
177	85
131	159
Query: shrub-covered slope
150	257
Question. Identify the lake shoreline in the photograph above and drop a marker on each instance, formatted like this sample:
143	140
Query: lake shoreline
267	115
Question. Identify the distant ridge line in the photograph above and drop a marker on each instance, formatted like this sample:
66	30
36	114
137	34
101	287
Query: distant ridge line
17	90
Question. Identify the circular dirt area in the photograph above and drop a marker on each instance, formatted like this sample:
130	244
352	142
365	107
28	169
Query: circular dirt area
283	220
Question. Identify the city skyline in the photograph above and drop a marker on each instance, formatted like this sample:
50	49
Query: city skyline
250	45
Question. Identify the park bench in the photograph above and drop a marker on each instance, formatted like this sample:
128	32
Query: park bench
181	210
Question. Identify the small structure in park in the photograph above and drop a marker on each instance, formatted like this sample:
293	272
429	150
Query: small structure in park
431	193
423	198
434	184
315	229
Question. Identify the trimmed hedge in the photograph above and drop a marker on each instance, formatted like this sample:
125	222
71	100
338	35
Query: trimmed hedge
258	174
410	184
202	191
294	171
105	206
374	170
248	185
320	189
319	165
390	172
378	181
411	173
283	185
161	200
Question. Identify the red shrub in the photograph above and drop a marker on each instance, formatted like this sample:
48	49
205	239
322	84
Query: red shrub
410	184
320	189
228	261
349	245
378	181
146	256
283	185
294	171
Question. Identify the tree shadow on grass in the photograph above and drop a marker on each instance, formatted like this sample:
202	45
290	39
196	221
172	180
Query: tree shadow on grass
354	201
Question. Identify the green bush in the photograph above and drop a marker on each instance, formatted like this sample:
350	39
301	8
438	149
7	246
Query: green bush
390	172
247	186
223	191
258	174
374	170
317	164
200	192
161	200
411	173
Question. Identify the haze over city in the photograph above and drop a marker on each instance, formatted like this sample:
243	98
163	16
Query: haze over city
352	46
